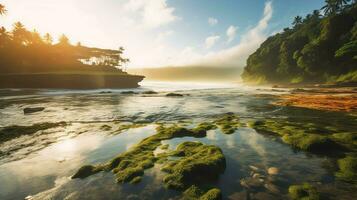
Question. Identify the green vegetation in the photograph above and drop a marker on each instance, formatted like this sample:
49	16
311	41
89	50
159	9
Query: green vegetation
303	192
308	136
316	49
197	163
195	193
132	163
228	123
347	169
11	132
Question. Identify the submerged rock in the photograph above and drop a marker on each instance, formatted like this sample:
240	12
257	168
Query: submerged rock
302	192
11	132
196	193
198	163
33	110
174	95
128	92
347	169
252	183
273	171
149	92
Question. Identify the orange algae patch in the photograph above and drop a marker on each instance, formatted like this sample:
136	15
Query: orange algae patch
331	102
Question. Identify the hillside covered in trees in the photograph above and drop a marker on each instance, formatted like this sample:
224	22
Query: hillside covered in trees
24	51
316	49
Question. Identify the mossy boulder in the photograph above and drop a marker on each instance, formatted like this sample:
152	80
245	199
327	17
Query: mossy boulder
228	123
195	193
347	169
11	132
131	164
311	142
86	171
197	164
30	110
303	192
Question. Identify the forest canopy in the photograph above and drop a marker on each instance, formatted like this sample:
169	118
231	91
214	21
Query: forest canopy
316	49
24	51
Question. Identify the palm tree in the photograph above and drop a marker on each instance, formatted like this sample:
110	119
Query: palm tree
47	38
297	21
334	6
2	10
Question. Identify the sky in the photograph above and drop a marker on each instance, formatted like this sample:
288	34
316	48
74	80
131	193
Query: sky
157	33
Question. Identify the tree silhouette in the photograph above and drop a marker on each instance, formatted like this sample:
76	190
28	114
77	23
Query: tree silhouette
47	38
334	6
297	21
2	10
63	40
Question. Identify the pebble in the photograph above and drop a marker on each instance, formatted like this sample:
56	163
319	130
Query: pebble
273	171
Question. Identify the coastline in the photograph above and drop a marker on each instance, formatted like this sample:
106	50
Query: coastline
70	80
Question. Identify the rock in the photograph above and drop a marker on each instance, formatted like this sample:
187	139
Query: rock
273	171
33	110
272	188
128	92
149	92
105	92
254	168
251	183
29	197
174	95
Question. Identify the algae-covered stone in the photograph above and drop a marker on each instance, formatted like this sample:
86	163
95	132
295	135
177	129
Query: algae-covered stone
132	164
11	132
311	142
303	192
195	193
86	171
228	123
198	163
347	169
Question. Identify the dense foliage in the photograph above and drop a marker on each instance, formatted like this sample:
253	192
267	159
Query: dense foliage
24	51
316	49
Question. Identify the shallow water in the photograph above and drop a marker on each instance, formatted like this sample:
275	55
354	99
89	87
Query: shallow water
41	165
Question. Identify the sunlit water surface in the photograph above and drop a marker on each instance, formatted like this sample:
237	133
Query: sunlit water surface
40	166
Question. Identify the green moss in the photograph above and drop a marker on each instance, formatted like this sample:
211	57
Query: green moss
198	163
164	146
124	127
136	180
307	136
228	123
213	194
11	132
303	192
131	164
86	171
347	169
195	193
310	142
204	127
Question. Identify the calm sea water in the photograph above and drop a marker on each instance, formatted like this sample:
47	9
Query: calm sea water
40	166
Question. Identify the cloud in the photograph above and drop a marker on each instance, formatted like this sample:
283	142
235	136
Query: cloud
211	41
236	56
231	33
154	13
212	21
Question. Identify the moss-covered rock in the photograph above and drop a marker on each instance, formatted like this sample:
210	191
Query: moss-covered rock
303	192
311	142
228	123
347	169
195	193
86	171
197	164
11	132
131	164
